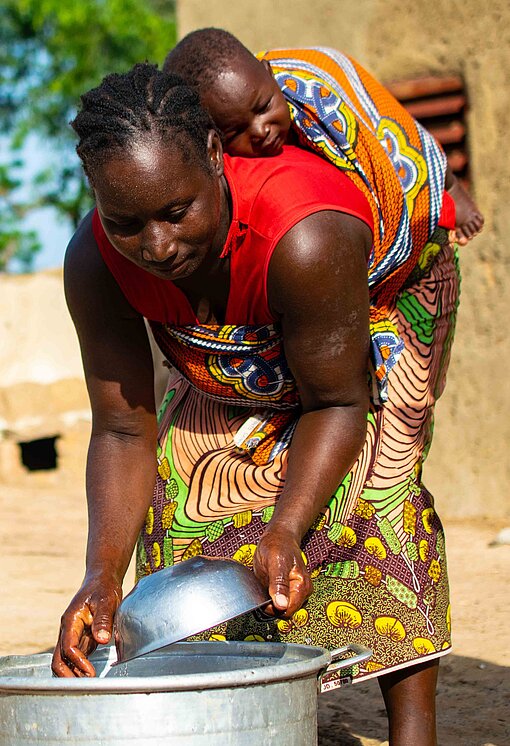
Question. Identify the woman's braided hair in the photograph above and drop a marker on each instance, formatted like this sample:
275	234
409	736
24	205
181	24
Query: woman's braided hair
125	109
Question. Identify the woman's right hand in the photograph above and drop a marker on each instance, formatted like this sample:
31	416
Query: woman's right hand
86	623
279	565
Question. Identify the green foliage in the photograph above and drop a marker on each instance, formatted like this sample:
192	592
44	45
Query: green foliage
14	242
50	53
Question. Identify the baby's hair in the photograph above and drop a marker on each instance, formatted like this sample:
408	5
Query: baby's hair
126	109
200	55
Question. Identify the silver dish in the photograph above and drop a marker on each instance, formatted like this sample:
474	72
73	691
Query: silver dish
183	600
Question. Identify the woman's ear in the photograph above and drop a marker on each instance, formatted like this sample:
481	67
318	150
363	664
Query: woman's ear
215	152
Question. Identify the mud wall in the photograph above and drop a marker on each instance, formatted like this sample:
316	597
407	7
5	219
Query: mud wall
42	391
468	467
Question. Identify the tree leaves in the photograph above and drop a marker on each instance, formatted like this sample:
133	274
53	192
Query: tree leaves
50	53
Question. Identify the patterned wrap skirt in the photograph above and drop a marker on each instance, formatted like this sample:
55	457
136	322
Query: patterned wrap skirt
376	552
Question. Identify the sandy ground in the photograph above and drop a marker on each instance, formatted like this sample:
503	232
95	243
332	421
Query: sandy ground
42	533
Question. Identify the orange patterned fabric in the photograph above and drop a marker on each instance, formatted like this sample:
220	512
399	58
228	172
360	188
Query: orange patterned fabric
339	110
376	552
233	364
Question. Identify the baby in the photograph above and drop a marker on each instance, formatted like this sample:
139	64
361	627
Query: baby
249	108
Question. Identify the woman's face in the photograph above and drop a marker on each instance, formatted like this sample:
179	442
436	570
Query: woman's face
163	213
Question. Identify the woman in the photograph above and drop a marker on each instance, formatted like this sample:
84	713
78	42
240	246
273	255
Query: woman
253	274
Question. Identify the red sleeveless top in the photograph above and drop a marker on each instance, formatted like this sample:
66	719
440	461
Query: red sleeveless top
269	196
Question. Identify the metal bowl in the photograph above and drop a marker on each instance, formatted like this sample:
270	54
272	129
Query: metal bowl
183	600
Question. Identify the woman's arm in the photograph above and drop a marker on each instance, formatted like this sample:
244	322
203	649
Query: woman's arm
121	463
317	284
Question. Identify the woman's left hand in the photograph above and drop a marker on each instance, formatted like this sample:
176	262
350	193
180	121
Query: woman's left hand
279	565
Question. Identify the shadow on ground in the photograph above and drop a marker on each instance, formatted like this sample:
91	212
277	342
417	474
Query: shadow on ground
473	704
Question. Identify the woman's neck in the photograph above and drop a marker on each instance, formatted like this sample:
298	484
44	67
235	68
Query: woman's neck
207	289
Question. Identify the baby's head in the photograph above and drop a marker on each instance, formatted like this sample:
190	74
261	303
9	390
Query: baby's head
239	92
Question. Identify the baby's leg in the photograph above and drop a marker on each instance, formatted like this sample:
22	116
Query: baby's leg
469	220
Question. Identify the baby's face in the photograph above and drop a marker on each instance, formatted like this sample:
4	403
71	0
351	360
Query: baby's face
250	109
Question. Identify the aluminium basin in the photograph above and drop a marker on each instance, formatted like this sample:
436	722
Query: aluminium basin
188	694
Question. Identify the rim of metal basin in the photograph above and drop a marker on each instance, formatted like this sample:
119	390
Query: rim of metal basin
290	662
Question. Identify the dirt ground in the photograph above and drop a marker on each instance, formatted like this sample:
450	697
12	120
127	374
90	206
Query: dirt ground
42	534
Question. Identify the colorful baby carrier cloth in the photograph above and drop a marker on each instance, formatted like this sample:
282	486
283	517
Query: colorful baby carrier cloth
343	113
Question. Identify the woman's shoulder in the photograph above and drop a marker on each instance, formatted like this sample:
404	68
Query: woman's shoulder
92	293
293	165
82	257
84	261
292	185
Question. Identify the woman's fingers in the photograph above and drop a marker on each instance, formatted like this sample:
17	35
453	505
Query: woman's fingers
70	656
279	587
59	667
300	585
87	622
279	565
289	589
74	637
289	582
103	609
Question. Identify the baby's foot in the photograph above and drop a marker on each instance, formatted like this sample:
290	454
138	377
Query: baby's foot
469	220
